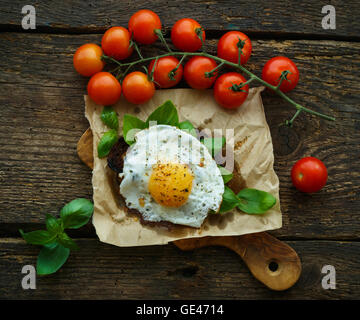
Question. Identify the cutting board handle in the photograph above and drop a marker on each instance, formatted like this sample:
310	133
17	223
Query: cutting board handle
270	260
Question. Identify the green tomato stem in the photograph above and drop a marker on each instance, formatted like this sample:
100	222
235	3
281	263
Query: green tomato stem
134	44
290	122
249	81
151	75
199	32
180	62
211	73
162	39
283	77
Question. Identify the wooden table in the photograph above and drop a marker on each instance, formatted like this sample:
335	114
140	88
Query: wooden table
42	118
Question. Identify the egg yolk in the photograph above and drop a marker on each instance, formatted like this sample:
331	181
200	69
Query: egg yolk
170	184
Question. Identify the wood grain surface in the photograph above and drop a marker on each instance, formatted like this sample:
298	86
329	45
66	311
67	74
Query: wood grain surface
258	18
100	271
43	121
42	118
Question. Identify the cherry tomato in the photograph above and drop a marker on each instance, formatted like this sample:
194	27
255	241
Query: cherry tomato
194	72
116	43
104	89
225	95
184	35
87	59
227	47
273	69
309	174
137	87
162	69
142	25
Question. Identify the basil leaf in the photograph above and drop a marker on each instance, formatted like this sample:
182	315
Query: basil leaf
107	142
188	127
110	118
67	242
255	201
51	258
129	123
76	213
230	200
39	237
214	145
226	174
165	114
53	225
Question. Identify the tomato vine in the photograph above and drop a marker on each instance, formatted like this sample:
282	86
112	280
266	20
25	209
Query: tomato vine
279	74
252	77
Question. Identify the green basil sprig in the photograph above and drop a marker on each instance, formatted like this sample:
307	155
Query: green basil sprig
131	126
56	243
251	201
255	201
226	174
76	213
214	144
51	258
188	127
229	202
109	117
106	142
165	114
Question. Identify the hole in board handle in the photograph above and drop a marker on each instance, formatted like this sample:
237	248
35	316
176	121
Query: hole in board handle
273	266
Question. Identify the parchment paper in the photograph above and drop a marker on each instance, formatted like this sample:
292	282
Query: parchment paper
253	153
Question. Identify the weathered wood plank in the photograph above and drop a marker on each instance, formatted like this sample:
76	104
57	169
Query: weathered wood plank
100	271
299	18
42	117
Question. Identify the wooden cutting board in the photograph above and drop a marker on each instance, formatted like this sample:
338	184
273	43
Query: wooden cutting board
270	260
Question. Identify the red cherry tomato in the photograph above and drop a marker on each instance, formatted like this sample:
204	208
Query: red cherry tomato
116	43
87	59
137	88
273	69
162	69
194	72
184	35
227	47
142	25
309	174
104	89
223	93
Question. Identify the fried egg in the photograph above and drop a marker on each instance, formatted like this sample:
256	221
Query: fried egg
169	175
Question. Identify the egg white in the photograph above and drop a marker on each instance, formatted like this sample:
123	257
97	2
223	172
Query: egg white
163	143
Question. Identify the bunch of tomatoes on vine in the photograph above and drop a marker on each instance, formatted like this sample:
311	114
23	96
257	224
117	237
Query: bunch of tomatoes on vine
199	68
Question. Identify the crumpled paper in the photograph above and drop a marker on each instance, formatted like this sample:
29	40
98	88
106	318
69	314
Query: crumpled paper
253	152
